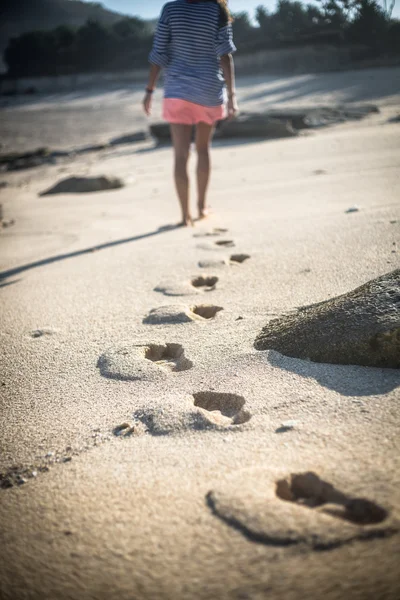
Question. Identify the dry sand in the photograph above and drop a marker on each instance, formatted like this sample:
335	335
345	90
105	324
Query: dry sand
186	506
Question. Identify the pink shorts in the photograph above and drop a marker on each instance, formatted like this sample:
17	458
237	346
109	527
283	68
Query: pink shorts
188	113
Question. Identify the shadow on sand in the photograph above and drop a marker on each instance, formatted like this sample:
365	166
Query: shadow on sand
348	380
350	86
59	257
216	143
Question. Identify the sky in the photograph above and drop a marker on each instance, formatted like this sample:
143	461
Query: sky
150	9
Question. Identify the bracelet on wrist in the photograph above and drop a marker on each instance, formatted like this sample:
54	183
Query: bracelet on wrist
149	91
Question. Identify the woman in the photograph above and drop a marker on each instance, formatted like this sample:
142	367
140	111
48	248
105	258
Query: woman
193	43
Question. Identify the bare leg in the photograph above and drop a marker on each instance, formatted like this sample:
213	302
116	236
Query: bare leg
181	138
203	139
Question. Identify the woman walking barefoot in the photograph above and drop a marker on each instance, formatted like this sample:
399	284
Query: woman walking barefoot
193	43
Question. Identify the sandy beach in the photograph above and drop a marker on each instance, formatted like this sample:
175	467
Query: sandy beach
184	503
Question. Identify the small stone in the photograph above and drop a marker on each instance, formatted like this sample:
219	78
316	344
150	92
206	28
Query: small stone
6	483
352	209
21	480
129	431
49	454
289	424
286	426
37	333
8	223
34	474
120	429
67	459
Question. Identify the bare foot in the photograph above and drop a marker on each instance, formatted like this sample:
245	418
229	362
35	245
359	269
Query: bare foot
186	222
204	213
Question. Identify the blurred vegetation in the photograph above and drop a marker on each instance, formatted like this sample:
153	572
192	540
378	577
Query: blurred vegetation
125	44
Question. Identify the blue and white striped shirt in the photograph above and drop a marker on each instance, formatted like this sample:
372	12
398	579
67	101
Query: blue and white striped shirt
189	40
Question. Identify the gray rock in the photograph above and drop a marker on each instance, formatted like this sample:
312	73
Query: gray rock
254	125
322	116
131	138
361	327
25	160
246	125
84	185
161	132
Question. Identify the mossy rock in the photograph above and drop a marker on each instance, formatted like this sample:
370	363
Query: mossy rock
84	185
361	327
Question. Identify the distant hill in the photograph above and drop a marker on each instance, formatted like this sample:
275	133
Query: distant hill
20	16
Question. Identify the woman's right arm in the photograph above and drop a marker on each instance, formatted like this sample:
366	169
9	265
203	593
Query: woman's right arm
228	71
225	47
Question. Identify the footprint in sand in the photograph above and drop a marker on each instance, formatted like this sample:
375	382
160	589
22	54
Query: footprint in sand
222	409
234	259
148	362
196	286
177	413
239	258
308	490
215	232
299	509
225	243
205	283
174	314
213	263
215	246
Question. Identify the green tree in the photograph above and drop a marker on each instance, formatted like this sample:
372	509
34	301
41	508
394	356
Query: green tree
94	46
242	27
370	26
32	53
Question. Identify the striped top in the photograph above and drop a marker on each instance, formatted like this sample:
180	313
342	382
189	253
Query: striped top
190	38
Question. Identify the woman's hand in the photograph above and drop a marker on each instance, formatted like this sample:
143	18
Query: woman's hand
232	107
147	103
